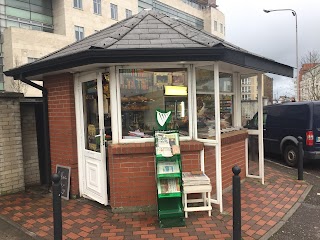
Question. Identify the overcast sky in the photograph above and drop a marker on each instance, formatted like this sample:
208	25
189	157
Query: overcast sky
273	35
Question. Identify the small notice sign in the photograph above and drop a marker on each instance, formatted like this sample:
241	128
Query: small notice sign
64	173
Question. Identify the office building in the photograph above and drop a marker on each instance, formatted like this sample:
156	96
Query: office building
31	29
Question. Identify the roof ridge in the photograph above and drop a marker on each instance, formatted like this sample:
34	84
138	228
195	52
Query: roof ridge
122	31
179	26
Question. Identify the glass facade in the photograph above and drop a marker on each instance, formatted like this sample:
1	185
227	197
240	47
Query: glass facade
27	14
172	12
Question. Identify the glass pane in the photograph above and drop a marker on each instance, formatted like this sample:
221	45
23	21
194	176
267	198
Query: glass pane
41	18
12	24
91	116
145	90
17	12
253	155
249	101
226	111
225	84
205	102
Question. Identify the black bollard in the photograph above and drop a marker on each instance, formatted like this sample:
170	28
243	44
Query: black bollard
56	202
300	158
236	202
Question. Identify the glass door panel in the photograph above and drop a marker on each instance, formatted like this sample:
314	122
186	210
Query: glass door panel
91	116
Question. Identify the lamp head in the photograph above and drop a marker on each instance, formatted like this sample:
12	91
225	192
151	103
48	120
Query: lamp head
266	11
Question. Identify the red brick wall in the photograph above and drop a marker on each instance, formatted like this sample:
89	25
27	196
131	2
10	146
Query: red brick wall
232	153
132	172
62	125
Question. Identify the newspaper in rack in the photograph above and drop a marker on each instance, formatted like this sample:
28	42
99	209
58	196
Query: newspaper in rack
190	179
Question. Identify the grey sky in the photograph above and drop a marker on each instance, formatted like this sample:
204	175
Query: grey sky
273	35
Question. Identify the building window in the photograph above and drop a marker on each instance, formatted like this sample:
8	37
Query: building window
77	4
128	13
221	28
31	59
142	91
215	26
114	11
79	33
97	6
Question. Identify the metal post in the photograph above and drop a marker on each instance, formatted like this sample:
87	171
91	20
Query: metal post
56	202
236	202
300	159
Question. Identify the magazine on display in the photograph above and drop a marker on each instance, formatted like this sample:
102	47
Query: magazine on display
168	167
167	144
168	186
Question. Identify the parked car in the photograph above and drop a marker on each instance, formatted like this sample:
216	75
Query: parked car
283	123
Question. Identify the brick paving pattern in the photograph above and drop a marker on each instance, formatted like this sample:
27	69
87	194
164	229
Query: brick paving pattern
263	206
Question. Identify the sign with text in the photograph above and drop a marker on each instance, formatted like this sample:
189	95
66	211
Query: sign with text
64	173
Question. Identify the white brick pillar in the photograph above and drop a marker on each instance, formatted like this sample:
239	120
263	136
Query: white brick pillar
11	157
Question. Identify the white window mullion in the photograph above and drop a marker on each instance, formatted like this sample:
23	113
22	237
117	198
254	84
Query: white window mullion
218	135
114	107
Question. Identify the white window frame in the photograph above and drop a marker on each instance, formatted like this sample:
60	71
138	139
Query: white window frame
77	32
233	93
118	121
77	4
114	11
97	7
128	13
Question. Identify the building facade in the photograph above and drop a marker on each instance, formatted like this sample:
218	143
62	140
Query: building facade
35	28
310	82
249	87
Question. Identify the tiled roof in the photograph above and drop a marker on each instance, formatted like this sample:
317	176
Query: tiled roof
147	29
144	37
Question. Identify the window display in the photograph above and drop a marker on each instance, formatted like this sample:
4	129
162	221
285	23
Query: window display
206	102
143	91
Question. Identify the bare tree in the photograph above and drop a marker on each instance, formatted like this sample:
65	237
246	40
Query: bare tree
310	76
17	85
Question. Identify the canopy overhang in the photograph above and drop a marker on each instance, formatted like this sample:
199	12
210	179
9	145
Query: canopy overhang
93	56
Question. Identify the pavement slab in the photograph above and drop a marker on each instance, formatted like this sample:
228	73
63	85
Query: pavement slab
263	207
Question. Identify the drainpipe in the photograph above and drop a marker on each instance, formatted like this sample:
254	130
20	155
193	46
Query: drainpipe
47	159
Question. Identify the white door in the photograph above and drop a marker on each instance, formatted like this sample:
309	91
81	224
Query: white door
93	172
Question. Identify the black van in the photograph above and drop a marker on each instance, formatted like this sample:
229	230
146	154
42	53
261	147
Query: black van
283	123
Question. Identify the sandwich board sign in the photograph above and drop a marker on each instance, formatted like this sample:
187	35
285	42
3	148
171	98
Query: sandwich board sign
64	173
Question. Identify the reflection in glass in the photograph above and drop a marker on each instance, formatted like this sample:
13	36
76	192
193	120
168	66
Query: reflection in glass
206	103
91	116
145	90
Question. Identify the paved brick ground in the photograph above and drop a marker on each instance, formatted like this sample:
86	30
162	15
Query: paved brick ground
263	206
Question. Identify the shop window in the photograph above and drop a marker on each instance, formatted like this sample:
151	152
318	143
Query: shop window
205	101
97	6
143	91
114	11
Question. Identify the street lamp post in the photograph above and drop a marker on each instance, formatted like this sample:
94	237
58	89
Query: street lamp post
297	56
